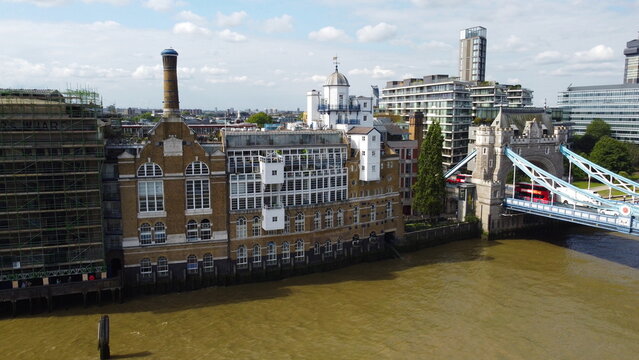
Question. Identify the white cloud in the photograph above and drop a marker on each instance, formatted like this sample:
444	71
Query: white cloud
585	69
377	72
264	83
15	67
513	81
228	35
318	78
597	53
189	28
230	79
434	44
549	57
190	16
42	3
160	5
186	72
86	71
112	2
328	33
379	32
233	19
283	23
212	70
144	72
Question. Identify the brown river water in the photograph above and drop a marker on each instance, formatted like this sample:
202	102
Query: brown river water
573	297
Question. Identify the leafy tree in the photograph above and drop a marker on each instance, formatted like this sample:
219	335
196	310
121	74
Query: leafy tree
260	119
611	154
583	143
598	129
633	155
430	188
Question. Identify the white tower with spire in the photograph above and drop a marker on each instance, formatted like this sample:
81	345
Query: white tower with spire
335	108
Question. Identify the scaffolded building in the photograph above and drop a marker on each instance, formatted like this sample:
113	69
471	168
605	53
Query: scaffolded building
50	210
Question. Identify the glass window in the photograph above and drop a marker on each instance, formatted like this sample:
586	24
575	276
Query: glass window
389	210
316	248
340	217
286	251
299	222
191	231
329	247
299	249
257	253
207	262
197	168
355	215
317	221
191	264
339	245
150	196
240	228
242	257
163	266
328	219
205	230
145	266
197	194
160	233
145	234
149	169
287	224
271	254
373	213
257	226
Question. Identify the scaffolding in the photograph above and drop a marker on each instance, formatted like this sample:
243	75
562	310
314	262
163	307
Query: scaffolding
51	153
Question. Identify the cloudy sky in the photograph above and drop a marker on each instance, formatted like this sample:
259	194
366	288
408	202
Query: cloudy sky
267	54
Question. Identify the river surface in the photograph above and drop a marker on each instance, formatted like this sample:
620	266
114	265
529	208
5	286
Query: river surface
572	297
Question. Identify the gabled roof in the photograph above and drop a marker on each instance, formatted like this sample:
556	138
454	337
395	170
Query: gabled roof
360	130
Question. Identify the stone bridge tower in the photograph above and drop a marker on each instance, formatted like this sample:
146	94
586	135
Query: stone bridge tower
531	134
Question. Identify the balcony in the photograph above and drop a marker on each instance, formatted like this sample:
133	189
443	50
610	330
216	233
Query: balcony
272	217
348	122
272	169
329	108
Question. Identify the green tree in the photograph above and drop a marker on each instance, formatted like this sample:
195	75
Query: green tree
611	154
260	119
430	188
598	129
633	155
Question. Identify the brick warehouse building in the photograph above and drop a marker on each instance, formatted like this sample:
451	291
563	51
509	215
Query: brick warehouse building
257	202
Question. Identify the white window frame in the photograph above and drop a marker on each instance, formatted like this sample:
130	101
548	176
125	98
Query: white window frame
329	247
317	221
299	249
192	265
240	228
340	217
242	255
208	264
205	229
159	233
145	266
373	213
257	254
163	266
299	222
316	248
146	234
150	196
192	233
197	194
271	253
328	219
286	251
256	227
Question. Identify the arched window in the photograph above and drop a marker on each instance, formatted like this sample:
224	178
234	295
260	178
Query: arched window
191	264
389	210
340	217
339	245
257	226
240	228
316	248
286	251
207	262
197	168
329	247
197	190
287	224
328	219
299	250
163	266
355	241
191	231
242	257
145	234
373	213
372	238
149	169
205	230
150	192
355	215
159	233
257	253
317	221
271	254
145	266
299	222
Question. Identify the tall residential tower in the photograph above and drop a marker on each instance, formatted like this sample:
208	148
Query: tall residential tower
472	54
631	72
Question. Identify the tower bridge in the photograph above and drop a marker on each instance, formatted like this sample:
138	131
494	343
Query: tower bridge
531	144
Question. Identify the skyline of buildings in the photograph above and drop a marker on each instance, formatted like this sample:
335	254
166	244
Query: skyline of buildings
472	54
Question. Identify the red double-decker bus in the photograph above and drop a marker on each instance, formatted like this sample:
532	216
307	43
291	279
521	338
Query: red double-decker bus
538	193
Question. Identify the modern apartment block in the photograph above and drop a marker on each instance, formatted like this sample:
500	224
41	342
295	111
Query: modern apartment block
50	205
441	98
617	105
472	54
631	71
